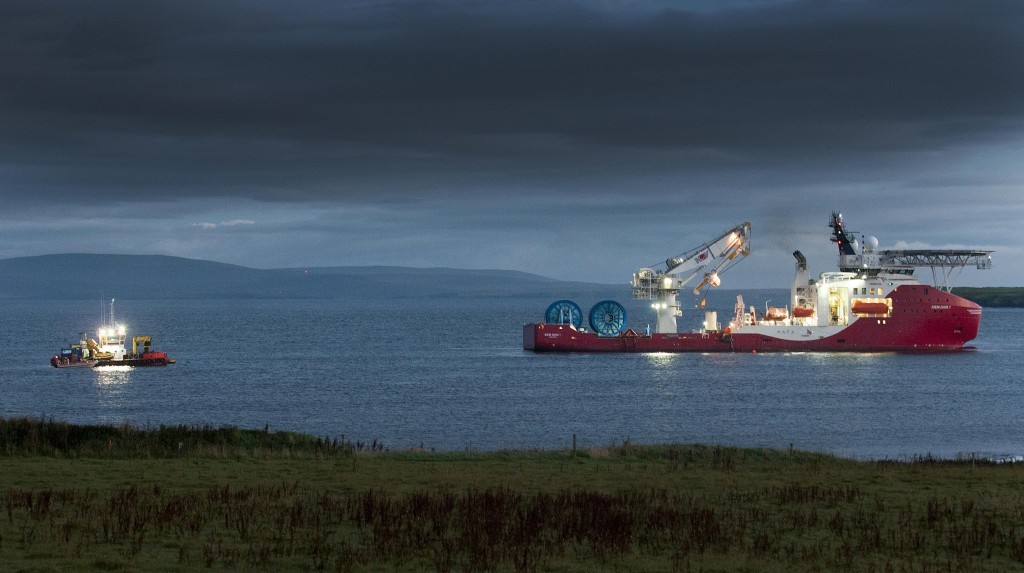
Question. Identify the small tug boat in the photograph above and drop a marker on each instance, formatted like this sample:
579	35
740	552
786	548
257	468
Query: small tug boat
872	304
72	357
110	350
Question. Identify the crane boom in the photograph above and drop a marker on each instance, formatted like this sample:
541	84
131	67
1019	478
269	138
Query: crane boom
710	258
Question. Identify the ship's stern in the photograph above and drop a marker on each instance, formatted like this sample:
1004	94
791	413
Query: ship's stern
529	336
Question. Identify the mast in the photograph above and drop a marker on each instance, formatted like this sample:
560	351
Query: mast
848	260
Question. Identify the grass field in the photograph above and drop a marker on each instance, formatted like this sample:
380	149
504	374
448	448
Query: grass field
201	499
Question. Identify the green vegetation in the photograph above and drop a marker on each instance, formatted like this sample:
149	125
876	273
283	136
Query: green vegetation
993	296
184	499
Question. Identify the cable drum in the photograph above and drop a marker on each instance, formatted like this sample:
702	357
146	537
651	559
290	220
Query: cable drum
608	318
564	312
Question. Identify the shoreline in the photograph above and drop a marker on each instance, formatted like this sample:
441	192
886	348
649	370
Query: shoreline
194	499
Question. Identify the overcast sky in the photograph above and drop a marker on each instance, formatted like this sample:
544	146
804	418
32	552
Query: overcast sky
577	140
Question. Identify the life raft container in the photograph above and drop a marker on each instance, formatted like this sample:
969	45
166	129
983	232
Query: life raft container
802	311
866	307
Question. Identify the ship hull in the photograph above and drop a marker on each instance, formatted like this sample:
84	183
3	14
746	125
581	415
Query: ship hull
148	359
135	362
79	364
921	320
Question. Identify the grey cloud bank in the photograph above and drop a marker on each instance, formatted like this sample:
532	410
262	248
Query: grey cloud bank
577	140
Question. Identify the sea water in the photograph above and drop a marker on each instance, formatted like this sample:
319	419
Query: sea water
451	374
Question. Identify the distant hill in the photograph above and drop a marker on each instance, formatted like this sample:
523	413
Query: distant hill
993	296
92	277
86	276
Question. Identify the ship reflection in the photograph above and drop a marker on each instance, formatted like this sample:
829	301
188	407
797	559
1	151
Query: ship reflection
112	375
112	387
661	359
845	359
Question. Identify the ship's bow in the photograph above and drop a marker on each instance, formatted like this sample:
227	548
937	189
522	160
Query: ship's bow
969	317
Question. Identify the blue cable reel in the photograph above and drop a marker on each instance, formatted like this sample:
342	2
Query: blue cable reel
608	318
564	312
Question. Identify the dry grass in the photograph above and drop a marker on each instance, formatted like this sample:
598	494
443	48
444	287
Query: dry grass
328	507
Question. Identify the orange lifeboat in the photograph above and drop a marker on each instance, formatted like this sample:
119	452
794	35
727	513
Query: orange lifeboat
802	311
870	307
775	313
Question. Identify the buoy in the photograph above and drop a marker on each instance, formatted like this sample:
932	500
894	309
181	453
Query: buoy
754	351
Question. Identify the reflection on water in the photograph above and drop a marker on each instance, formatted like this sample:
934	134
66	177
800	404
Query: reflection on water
112	386
667	376
661	359
112	375
844	358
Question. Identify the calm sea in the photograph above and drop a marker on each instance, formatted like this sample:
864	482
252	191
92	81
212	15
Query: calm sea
451	374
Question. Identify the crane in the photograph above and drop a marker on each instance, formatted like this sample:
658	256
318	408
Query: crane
711	258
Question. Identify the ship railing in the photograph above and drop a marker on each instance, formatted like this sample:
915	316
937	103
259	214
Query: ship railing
945	265
834	277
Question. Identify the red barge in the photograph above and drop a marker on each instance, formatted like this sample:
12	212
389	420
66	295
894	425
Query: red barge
872	304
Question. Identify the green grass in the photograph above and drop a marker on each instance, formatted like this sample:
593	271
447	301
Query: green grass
130	499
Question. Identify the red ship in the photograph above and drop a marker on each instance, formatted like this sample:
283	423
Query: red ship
872	304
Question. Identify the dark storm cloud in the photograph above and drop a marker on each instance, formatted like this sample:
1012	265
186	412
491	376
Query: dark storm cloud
354	100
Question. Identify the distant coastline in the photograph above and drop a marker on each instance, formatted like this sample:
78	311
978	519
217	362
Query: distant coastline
153	277
79	276
994	297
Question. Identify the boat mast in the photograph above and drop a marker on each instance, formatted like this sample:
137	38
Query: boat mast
839	235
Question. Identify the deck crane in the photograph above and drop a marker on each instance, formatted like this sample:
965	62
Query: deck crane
711	258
